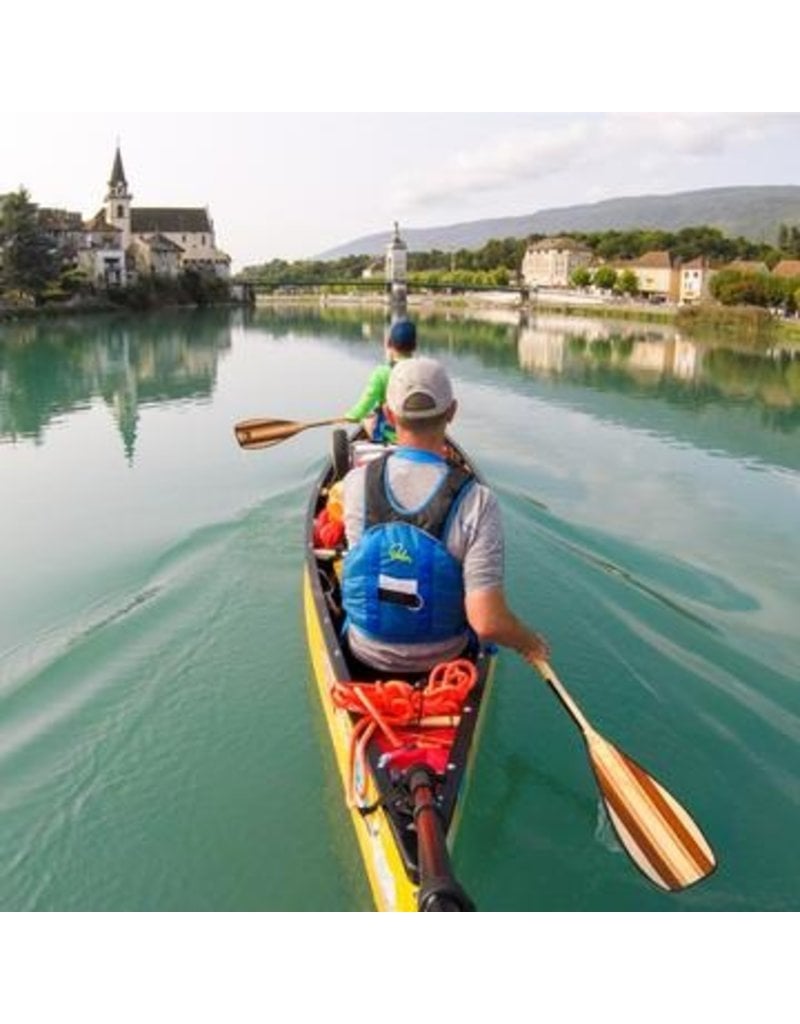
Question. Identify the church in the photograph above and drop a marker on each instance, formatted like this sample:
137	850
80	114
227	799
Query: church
123	241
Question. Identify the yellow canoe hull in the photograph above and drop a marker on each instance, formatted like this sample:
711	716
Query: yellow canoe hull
392	888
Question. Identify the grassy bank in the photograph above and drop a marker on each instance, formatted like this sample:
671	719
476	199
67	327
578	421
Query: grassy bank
747	323
640	313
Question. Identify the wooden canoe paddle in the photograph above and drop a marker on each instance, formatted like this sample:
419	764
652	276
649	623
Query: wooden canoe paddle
658	834
263	433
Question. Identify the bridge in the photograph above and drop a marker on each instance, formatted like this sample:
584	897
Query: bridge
523	291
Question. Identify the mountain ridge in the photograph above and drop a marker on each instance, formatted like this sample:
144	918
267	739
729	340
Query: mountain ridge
752	211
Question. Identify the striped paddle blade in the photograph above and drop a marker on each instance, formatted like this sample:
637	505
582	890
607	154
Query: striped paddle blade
659	835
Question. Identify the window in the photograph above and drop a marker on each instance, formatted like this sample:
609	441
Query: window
120	211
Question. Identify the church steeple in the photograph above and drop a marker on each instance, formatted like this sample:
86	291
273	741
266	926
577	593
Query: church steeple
117	182
118	200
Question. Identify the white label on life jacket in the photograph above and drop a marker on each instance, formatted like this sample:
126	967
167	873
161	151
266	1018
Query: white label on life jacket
397	585
395	590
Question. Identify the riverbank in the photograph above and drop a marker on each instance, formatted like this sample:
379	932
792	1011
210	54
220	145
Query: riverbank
494	306
57	311
753	323
190	290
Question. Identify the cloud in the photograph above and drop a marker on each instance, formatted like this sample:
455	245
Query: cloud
511	158
656	143
690	135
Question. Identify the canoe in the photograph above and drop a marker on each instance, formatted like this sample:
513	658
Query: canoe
404	748
404	769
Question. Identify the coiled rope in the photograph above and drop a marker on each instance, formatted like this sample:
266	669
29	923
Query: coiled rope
410	718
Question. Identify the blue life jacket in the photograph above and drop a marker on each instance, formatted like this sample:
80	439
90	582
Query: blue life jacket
382	430
400	583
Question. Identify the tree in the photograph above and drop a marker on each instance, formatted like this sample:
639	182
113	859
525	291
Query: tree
605	277
27	258
738	288
581	277
627	283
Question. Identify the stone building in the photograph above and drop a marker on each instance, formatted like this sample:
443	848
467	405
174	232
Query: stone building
161	240
101	254
551	262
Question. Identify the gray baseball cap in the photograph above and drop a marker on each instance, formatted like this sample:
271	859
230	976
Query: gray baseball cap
419	389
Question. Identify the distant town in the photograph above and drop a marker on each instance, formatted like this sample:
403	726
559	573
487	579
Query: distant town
145	257
134	254
687	267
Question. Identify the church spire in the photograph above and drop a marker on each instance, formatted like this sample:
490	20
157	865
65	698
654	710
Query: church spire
118	200
117	172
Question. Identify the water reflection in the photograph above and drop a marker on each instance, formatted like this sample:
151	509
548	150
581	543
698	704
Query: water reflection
662	358
622	356
54	367
50	368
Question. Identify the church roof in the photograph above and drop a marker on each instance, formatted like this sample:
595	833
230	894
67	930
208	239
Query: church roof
51	219
212	256
558	243
146	220
161	243
99	223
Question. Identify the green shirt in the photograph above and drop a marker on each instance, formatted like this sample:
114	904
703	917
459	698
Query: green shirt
374	394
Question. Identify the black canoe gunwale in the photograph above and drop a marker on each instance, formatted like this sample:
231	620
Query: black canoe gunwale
461	753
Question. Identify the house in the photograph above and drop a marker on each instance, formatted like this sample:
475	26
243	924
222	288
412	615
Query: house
551	262
63	227
101	255
656	275
156	254
694	279
748	266
787	268
373	270
145	232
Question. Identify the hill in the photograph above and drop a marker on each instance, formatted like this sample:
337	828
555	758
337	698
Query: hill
755	212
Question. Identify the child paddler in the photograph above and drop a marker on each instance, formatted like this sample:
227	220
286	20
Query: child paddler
401	343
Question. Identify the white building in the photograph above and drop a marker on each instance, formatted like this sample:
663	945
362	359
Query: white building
551	262
190	229
101	255
694	280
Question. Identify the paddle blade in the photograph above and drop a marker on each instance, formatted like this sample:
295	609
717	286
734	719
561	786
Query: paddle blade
659	835
265	433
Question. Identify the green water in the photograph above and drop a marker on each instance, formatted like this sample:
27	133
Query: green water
161	747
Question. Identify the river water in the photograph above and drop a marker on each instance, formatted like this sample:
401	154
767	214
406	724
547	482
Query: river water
161	747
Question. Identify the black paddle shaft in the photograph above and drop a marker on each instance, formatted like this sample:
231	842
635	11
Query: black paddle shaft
439	889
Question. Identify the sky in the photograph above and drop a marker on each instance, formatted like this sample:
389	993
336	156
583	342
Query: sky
217	109
292	185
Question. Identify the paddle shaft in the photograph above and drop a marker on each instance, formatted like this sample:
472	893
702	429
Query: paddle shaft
438	888
560	691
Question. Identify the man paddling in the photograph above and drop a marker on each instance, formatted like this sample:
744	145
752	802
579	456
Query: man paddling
425	559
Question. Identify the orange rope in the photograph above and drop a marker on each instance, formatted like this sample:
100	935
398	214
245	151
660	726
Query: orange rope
399	703
409	718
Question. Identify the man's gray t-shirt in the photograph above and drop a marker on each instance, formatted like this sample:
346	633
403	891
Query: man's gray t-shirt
475	538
